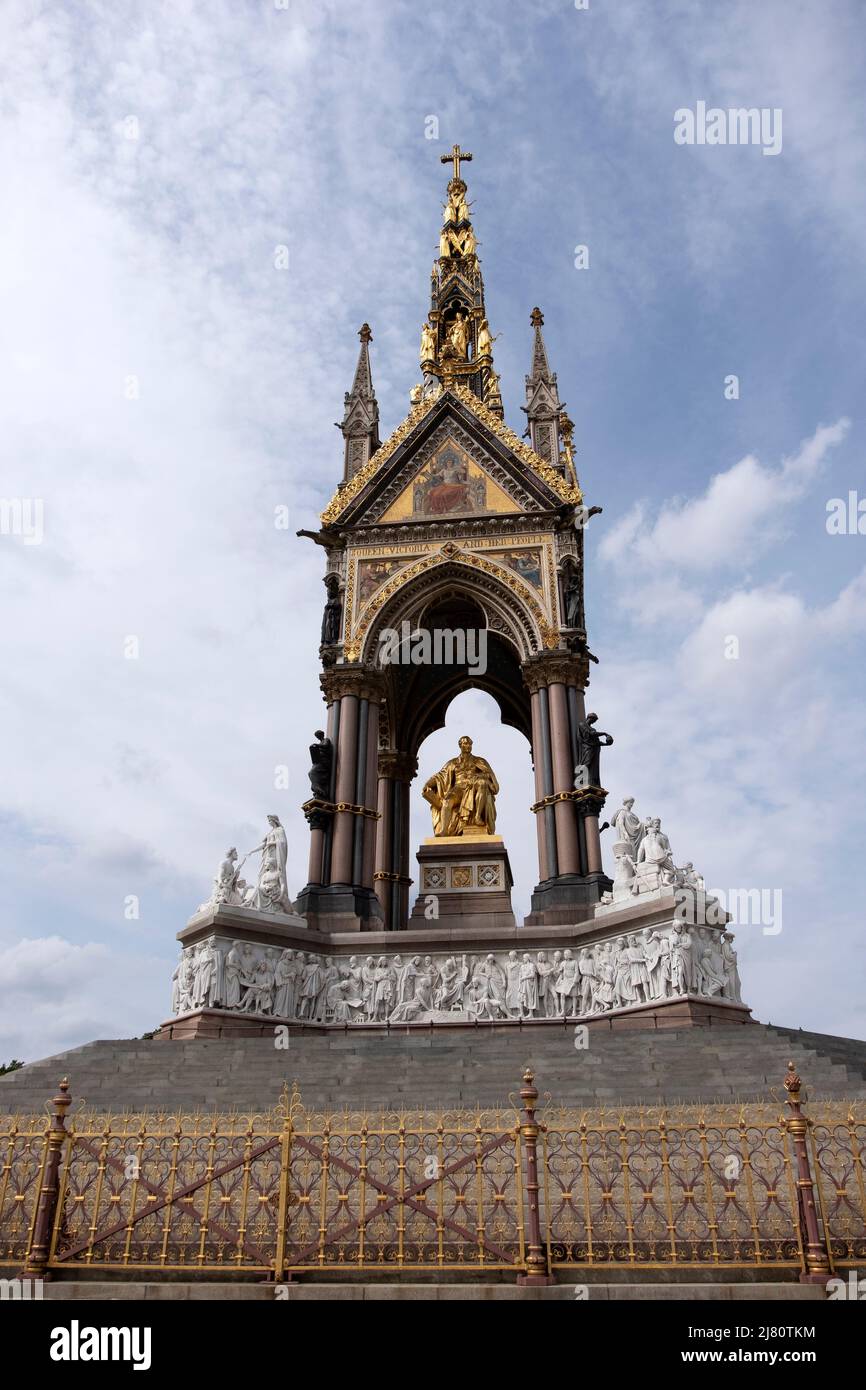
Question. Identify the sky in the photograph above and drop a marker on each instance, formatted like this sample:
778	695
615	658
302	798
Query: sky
202	204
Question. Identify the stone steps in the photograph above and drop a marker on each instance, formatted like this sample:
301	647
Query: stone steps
339	1069
295	1292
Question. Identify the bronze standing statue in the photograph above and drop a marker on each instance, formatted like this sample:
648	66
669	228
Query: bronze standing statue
590	742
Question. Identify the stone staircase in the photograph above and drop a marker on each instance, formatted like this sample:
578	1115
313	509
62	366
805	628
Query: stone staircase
446	1067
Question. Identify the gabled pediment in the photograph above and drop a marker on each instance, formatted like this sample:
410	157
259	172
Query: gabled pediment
450	457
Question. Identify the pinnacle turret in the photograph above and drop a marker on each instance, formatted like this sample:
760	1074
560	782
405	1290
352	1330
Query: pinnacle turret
543	407
360	423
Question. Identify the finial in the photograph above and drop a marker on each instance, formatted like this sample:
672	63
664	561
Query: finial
792	1080
364	333
536	318
456	156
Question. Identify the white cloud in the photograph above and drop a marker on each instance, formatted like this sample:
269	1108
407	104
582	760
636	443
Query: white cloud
56	993
742	511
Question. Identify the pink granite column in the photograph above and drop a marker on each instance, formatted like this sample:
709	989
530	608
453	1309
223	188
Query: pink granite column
593	845
383	859
317	849
563	778
344	821
370	794
401	856
543	869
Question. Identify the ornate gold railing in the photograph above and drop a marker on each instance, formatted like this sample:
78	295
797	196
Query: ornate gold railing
301	1191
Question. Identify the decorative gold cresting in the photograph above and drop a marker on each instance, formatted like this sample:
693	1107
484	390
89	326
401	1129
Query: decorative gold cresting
567	492
344	495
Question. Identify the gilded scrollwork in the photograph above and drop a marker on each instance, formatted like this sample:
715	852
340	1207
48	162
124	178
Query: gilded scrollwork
341	499
567	492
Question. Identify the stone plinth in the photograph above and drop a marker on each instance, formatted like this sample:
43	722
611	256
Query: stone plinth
245	923
655	960
467	878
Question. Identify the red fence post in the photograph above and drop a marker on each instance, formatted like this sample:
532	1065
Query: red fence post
817	1256
536	1259
40	1243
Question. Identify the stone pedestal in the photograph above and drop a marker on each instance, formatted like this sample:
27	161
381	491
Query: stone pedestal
464	881
340	907
656	959
566	899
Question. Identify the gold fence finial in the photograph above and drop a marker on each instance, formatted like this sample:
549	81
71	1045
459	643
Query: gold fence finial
792	1080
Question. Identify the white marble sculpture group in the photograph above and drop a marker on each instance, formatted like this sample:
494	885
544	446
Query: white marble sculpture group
271	892
644	860
621	972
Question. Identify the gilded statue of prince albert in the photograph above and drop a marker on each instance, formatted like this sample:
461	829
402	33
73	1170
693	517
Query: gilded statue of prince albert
461	795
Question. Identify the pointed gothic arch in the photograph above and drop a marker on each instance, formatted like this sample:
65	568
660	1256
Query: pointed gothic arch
507	603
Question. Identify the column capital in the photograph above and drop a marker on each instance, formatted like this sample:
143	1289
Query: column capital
344	679
549	668
589	801
399	767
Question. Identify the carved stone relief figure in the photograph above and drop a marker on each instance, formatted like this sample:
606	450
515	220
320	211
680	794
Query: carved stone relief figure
285	975
732	974
621	972
568	986
528	988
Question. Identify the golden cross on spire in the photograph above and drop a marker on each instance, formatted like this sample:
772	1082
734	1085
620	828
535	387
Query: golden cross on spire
456	155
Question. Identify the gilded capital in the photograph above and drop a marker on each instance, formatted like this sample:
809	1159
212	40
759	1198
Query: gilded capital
361	681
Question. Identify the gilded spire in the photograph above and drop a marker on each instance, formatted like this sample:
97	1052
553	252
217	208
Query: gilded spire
456	344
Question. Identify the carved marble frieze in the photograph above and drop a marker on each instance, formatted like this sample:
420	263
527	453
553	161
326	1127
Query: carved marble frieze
621	972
